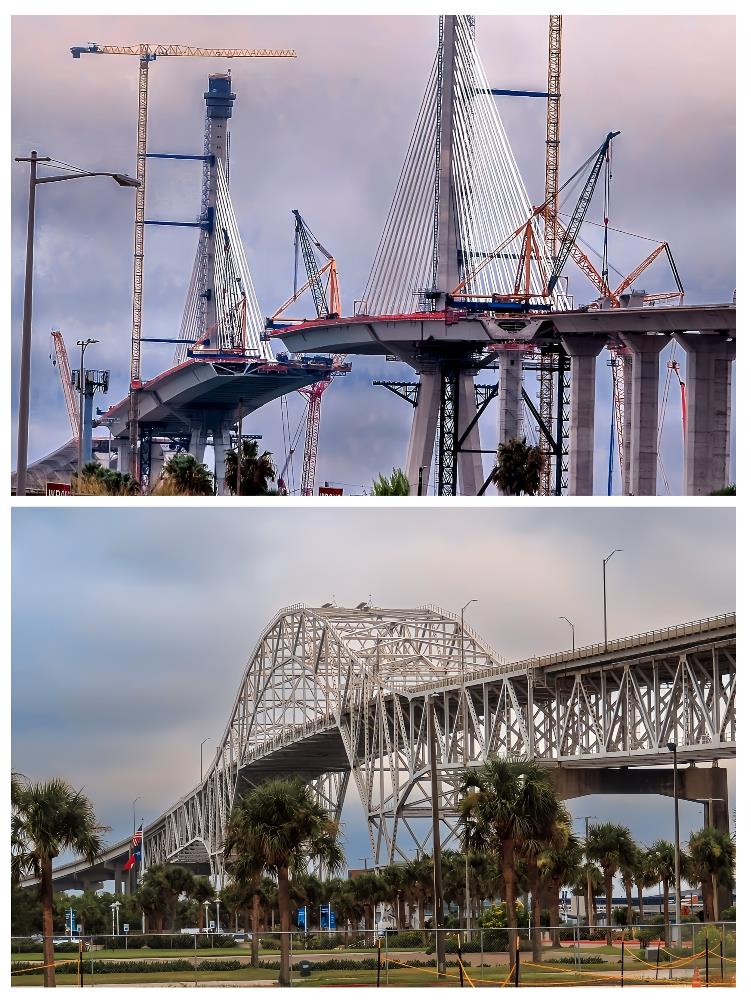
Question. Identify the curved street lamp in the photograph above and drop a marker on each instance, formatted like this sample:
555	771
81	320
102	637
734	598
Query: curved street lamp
123	180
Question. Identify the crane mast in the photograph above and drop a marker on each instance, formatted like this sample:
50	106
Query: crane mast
552	157
146	54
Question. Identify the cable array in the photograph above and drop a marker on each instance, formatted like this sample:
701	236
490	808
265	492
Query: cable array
488	195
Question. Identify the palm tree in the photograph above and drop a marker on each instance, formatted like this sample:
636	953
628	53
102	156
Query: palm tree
95	480
370	890
559	866
346	905
506	804
518	468
256	471
643	875
183	475
613	847
589	882
279	827
394	878
551	828
418	883
662	861
711	855
395	485
47	819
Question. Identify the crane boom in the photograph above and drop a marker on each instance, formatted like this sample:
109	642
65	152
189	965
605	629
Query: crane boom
152	51
580	211
61	360
147	53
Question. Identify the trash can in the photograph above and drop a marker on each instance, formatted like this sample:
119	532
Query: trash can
305	968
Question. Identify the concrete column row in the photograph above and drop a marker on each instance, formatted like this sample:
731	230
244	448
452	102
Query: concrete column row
710	356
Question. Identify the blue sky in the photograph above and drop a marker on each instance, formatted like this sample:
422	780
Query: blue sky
132	628
327	134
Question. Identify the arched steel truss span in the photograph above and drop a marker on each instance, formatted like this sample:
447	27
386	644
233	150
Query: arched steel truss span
335	692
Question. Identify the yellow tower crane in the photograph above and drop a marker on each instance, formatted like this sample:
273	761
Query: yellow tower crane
146	54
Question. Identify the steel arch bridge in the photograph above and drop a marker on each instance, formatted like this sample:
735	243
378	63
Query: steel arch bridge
335	692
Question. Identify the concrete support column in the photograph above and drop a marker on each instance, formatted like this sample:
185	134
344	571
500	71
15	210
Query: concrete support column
197	446
123	455
222	445
509	395
422	435
645	385
471	475
583	351
157	463
628	368
709	371
118	879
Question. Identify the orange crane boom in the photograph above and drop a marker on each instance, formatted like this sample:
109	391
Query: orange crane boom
60	358
147	53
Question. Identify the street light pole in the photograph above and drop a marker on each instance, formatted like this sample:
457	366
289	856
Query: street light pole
217	901
673	748
466	760
22	454
83	344
202	743
605	595
563	618
440	944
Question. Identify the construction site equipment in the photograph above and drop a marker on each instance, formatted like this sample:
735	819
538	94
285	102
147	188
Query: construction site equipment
59	358
146	54
327	303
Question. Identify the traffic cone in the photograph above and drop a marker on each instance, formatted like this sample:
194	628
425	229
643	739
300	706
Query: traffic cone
696	981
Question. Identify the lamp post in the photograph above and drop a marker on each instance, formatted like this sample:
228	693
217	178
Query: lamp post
206	905
217	901
25	377
112	907
605	595
117	906
673	748
83	344
464	740
202	743
563	618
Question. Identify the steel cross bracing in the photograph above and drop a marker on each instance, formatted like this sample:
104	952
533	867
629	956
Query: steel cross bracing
332	692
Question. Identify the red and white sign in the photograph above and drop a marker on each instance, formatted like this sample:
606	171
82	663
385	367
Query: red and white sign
330	491
58	489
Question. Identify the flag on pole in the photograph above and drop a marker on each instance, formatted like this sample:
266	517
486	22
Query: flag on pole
135	850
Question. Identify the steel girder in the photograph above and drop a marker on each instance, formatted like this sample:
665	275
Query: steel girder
332	692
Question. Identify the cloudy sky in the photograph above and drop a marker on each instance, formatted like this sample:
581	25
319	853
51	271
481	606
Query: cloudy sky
326	134
132	629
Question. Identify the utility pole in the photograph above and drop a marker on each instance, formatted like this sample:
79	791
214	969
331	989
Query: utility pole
673	748
440	944
563	618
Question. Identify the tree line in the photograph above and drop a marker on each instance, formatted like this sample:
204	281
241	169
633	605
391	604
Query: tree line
517	838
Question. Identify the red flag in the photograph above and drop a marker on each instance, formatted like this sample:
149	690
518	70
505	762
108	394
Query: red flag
129	863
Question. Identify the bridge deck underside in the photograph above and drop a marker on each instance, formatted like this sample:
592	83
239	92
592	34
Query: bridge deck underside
170	403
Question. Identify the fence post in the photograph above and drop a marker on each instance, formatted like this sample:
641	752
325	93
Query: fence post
722	961
706	961
378	980
80	961
657	970
516	967
387	957
459	956
482	956
623	946
195	959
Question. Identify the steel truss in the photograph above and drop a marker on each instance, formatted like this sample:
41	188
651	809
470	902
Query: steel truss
332	692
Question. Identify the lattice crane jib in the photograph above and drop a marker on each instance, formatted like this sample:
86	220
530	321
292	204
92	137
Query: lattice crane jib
61	360
147	53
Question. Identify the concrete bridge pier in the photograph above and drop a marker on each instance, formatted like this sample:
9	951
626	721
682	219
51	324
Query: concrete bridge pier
123	455
422	434
709	370
510	410
222	445
643	402
198	438
583	351
628	368
470	470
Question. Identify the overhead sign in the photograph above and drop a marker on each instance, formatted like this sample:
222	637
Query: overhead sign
58	489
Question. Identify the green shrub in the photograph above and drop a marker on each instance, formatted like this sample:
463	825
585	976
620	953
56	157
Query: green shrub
405	939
